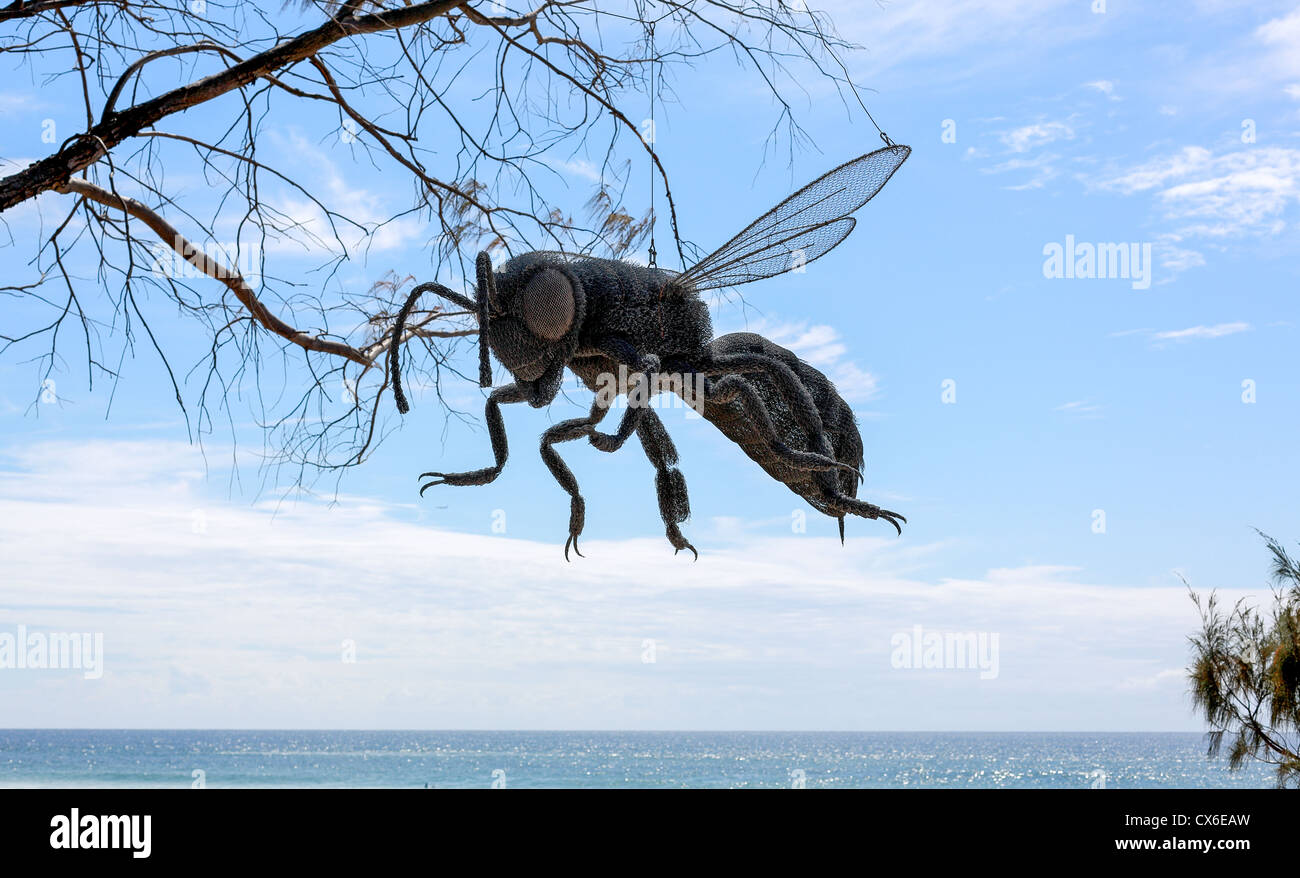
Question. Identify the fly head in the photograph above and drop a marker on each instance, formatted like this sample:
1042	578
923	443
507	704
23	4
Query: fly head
536	307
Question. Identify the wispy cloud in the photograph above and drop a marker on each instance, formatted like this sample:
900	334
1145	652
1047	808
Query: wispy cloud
1243	61
1105	86
1282	37
1167	677
1081	408
382	230
921	32
1214	198
1192	333
580	168
16	102
1037	134
1175	258
221	614
1043	167
1018	148
823	347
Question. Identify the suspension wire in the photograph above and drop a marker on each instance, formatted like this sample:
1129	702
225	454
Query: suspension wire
643	9
883	135
654	136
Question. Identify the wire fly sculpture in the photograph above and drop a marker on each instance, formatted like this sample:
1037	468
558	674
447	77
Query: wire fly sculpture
630	329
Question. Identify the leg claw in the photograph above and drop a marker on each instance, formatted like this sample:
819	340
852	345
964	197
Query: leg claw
688	546
893	518
474	477
572	540
680	542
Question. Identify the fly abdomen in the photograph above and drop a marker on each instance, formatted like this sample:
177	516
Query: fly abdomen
838	422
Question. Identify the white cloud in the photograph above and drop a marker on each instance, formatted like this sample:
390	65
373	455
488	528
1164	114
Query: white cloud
1105	86
1219	330
580	168
1241	63
822	347
242	623
1244	192
1081	408
1282	35
927	30
14	102
1042	165
1191	333
1018	142
366	207
1038	134
1176	259
1167	677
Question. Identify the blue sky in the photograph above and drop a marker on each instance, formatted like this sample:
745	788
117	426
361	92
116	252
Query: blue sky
224	598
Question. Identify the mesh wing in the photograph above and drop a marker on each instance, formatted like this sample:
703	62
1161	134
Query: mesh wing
804	227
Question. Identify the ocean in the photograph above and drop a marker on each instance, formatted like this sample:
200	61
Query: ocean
468	759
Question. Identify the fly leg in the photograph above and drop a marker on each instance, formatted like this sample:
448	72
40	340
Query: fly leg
575	428
670	485
733	386
567	431
793	392
496	431
644	368
842	504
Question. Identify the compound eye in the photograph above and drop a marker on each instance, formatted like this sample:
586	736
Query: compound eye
549	304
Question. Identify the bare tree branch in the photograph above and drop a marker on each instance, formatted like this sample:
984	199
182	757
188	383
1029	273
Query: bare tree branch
168	234
483	112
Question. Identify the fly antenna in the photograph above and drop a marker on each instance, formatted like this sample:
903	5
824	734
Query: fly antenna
399	329
487	294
